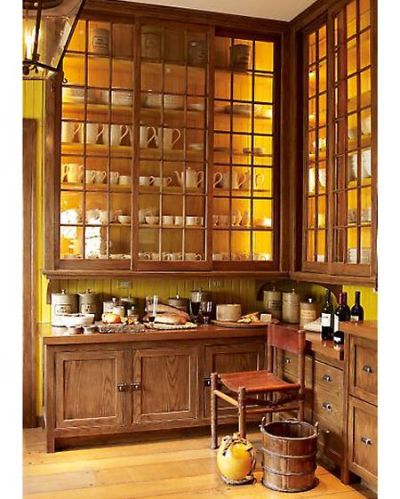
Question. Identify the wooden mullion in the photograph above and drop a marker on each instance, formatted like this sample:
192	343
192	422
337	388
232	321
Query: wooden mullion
317	145
209	123
136	108
84	192
251	252
230	158
110	81
359	140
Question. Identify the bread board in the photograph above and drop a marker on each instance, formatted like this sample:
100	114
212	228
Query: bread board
250	325
170	327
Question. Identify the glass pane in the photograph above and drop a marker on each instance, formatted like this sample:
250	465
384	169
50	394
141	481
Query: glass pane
311	212
321	245
222	51
352	254
262	213
122	74
365	49
99	38
95	242
351	56
264	56
310	246
222	85
171	244
322	42
74	70
366	201
312	50
196	81
351	19
322	76
149	244
240	245
262	246
322	110
151	77
174	46
263	88
71	242
365	256
366	88
194	246
122	41
174	79
77	42
151	42
241	55
220	245
364	14
71	208
98	72
352	94
120	242
366	165
242	87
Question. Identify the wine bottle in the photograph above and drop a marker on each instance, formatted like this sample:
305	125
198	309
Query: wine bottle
342	314
357	312
327	318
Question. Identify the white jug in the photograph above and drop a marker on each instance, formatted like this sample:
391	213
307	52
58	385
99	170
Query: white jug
193	178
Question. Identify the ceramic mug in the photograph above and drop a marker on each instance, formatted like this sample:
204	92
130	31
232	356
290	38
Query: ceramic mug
168	219
114	177
158	181
168	137
125	179
155	256
178	220
171	257
192	220
144	138
192	256
144	181
99	176
70	131
223	220
118	133
93	133
144	256
90	176
72	173
217	179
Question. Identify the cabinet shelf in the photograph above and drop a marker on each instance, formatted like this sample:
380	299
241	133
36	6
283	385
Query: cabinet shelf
76	149
69	186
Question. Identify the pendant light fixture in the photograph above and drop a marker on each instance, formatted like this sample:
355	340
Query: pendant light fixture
47	28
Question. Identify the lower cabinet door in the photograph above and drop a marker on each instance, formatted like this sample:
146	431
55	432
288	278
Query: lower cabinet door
363	439
87	392
165	384
249	356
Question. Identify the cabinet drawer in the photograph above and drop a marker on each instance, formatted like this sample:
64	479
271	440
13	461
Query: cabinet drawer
363	369
329	381
289	364
330	440
363	439
328	407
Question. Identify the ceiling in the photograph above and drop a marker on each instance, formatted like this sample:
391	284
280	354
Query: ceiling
283	10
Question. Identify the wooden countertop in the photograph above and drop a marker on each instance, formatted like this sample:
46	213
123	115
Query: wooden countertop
56	336
365	329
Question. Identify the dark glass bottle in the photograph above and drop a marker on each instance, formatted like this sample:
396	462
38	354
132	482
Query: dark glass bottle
342	314
357	312
327	318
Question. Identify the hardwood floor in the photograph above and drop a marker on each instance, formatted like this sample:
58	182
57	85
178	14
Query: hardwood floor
182	467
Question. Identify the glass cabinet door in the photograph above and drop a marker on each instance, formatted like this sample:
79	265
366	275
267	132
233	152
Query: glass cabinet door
352	190
97	145
244	215
316	154
173	139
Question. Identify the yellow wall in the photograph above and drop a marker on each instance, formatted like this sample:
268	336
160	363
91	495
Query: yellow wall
241	290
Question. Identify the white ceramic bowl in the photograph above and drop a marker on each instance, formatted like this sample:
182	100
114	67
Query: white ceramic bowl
124	219
73	320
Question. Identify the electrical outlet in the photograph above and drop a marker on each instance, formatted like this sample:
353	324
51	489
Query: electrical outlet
217	284
123	284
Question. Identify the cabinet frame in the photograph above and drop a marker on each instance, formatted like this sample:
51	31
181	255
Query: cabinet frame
274	31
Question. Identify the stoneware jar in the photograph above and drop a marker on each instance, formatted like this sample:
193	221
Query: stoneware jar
290	307
62	303
273	303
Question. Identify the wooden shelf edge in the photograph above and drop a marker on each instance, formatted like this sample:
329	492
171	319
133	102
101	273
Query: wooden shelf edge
332	279
173	274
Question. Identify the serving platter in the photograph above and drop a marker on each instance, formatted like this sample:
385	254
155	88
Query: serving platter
251	325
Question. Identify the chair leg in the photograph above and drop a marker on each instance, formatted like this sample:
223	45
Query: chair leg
214	411
242	412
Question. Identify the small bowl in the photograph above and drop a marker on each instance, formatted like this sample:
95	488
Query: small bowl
89	329
77	320
74	330
124	219
152	220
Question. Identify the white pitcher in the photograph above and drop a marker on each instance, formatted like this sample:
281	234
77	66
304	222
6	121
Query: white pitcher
193	178
168	138
144	139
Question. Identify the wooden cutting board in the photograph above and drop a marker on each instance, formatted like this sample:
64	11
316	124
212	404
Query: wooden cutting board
250	325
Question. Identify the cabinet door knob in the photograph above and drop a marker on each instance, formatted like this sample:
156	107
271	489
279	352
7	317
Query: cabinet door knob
287	360
327	378
122	387
135	386
327	406
207	381
366	440
367	369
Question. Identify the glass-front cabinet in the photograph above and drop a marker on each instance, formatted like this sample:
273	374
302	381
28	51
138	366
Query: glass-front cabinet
169	149
340	142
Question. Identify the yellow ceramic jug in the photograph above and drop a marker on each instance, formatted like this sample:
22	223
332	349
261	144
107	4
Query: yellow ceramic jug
236	460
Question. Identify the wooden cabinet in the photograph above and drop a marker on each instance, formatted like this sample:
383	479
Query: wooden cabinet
361	388
339	142
106	385
165	384
87	388
168	142
226	359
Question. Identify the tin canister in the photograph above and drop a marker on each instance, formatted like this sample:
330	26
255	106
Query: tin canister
89	303
273	303
290	307
180	303
308	312
62	303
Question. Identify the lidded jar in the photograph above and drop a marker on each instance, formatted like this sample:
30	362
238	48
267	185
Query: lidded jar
308	312
62	303
89	303
290	307
273	303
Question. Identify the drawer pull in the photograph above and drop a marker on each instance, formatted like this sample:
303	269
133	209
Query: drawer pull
366	440
367	369
207	381
122	387
327	406
135	386
327	378
287	360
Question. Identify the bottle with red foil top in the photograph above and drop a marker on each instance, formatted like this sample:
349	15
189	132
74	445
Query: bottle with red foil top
342	314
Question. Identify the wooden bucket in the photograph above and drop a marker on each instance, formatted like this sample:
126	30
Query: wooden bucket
289	455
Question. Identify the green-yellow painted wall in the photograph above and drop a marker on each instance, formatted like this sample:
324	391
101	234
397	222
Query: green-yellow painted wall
243	290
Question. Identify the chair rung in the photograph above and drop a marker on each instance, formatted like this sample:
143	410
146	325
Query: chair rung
267	410
226	397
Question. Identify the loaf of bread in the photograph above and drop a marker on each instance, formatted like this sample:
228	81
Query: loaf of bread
168	309
171	319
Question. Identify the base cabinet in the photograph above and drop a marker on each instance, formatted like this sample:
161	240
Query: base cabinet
107	389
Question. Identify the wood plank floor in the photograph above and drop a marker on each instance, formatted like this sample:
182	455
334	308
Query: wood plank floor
181	467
